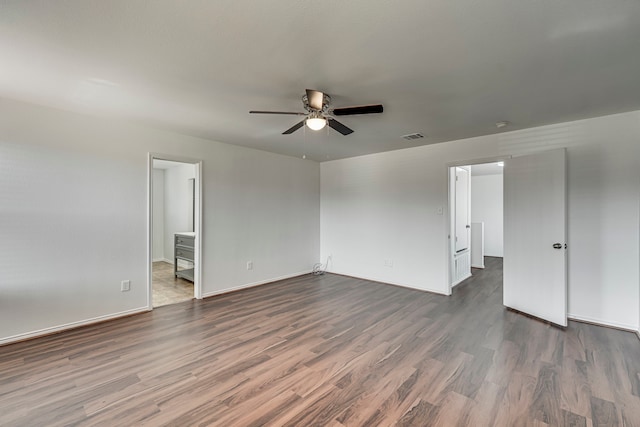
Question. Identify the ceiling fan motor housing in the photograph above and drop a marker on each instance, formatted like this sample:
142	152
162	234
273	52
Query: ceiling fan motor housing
326	101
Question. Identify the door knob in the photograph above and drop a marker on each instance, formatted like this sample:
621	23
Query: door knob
557	246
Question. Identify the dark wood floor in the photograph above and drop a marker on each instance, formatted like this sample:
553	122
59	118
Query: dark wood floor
327	351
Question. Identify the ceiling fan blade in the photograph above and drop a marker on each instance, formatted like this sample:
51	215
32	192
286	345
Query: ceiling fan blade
334	124
315	99
277	112
362	109
294	128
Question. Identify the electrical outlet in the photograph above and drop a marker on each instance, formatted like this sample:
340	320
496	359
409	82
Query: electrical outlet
388	263
125	285
249	265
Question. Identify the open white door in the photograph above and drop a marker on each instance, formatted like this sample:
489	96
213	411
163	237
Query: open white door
535	260
463	220
459	224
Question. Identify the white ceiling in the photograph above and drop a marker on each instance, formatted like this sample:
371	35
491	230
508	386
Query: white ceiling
449	69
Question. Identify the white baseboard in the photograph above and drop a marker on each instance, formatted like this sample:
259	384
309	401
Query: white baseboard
600	322
477	266
386	282
254	284
72	325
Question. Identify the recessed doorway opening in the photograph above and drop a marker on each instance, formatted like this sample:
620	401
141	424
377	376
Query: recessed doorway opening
174	230
475	217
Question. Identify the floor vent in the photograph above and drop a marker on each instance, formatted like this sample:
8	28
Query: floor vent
413	136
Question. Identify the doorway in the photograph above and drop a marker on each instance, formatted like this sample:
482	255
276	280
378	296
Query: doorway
175	214
534	236
476	217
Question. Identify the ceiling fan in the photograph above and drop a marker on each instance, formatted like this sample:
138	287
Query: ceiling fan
319	113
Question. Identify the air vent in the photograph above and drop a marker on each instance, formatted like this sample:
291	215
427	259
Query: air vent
413	136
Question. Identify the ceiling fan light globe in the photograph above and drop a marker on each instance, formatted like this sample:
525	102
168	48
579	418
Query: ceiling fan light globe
316	123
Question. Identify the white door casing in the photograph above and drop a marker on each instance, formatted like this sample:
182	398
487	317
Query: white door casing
197	222
535	273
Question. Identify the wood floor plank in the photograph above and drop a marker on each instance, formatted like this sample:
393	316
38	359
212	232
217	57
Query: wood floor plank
328	351
454	411
574	387
420	415
604	413
546	397
486	405
406	395
517	402
573	420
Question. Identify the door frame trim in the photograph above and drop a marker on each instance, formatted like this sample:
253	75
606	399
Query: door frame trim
197	284
448	224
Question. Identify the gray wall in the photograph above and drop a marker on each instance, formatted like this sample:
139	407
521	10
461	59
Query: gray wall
386	206
74	219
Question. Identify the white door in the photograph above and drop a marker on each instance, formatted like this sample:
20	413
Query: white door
535	278
462	221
